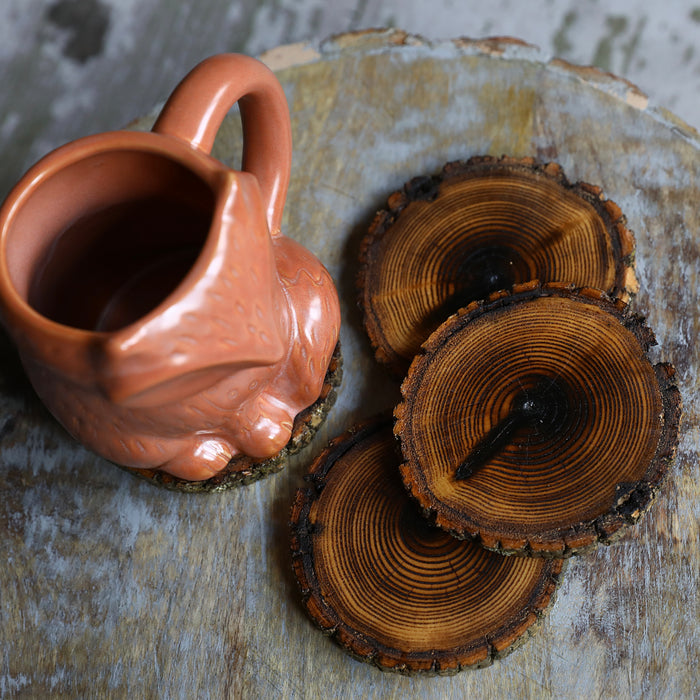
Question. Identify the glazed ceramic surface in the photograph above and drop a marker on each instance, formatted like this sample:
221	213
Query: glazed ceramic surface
159	311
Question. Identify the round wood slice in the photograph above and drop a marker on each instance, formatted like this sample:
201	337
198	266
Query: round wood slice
536	423
477	227
242	469
393	590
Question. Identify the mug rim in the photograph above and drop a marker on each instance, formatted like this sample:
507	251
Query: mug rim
14	308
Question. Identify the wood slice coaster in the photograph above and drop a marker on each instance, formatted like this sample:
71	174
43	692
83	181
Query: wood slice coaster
389	588
242	469
480	226
536	423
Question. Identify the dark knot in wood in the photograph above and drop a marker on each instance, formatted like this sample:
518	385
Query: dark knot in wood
541	407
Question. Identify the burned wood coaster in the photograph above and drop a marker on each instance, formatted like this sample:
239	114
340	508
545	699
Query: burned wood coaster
389	588
536	423
243	469
480	226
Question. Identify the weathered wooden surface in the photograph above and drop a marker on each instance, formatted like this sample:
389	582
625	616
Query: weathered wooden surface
71	67
111	587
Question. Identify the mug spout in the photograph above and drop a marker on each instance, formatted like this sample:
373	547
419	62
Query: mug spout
228	314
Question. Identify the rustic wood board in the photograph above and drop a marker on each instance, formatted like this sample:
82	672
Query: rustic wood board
111	587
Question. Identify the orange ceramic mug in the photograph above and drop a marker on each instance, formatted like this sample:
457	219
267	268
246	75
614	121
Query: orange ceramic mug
158	310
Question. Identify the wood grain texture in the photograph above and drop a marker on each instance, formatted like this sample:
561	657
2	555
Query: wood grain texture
478	226
534	422
392	589
112	587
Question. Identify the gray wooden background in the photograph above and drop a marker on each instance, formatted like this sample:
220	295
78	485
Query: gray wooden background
71	67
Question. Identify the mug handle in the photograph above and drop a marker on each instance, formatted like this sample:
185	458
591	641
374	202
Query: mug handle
198	105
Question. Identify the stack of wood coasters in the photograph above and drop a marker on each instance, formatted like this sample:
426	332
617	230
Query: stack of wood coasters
533	422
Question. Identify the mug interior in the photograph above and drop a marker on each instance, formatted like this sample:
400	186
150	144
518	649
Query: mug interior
104	240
